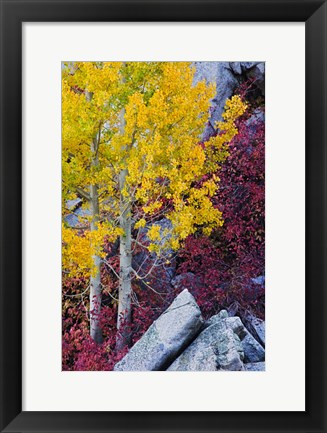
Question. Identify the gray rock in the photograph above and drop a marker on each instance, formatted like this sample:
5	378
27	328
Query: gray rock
230	351
235	323
226	76
257	328
216	348
255	366
201	355
80	212
222	75
216	318
217	340
72	220
236	67
72	204
253	351
166	338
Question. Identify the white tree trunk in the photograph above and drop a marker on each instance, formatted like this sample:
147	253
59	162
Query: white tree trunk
95	280
125	257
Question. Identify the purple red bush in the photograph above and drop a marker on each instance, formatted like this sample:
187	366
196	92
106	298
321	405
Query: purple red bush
227	262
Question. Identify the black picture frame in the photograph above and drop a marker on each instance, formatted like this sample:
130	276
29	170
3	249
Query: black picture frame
13	14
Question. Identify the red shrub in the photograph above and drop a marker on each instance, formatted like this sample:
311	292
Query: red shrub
227	262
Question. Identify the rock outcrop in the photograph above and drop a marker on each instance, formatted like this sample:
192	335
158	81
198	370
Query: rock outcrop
166	337
179	340
257	328
253	351
227	76
216	348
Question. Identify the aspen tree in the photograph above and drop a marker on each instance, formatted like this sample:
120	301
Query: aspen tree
130	145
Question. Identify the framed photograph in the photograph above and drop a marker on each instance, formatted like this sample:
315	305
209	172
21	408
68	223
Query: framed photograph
163	208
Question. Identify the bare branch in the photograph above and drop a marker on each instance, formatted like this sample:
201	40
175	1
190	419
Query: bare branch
83	193
113	270
79	294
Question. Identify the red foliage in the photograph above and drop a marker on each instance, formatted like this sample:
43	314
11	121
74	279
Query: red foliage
79	351
226	263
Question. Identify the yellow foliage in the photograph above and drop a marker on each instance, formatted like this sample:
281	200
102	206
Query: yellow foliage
140	223
154	232
76	257
164	115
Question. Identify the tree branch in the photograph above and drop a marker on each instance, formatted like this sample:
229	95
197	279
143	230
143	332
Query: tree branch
83	193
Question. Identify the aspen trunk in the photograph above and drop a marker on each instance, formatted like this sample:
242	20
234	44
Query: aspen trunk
125	258
95	280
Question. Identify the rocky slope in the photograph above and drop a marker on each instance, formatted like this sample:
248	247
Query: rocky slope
180	340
